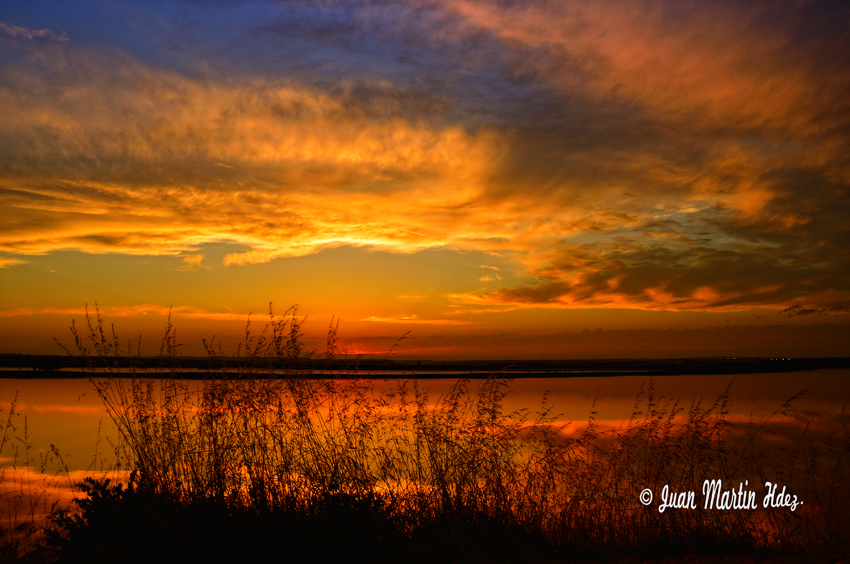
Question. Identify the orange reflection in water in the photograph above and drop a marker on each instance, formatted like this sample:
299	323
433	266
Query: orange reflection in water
59	433
68	413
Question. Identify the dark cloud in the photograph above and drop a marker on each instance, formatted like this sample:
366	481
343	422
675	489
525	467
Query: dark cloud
800	310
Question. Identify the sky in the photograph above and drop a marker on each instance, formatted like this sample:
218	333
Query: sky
488	179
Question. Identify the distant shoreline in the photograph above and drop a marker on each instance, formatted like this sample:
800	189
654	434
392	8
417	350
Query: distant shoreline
43	366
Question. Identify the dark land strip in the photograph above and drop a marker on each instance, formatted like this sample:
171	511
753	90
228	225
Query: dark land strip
58	366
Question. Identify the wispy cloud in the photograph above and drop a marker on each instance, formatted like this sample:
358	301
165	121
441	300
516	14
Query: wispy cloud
6	262
192	262
141	310
412	319
27	33
834	309
731	65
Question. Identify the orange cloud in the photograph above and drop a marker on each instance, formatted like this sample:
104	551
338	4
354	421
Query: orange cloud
305	173
131	311
730	82
406	319
7	262
192	262
709	66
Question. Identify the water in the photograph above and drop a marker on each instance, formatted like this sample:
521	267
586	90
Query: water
62	432
69	414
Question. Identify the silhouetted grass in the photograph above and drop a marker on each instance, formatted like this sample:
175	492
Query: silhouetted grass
29	481
330	468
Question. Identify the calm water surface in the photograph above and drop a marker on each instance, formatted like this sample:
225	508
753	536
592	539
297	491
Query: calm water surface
69	414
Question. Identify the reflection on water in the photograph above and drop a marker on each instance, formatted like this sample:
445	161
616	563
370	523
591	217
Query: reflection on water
56	432
59	432
69	414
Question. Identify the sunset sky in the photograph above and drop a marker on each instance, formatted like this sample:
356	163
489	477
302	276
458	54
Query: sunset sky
529	179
